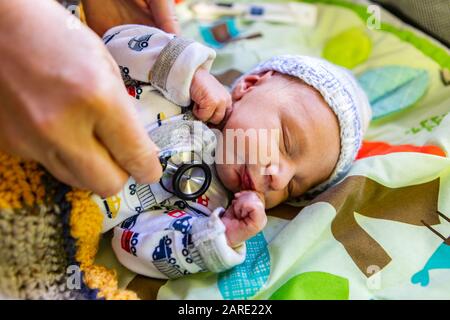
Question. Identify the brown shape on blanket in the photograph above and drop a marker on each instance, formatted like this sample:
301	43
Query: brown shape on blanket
445	76
146	288
410	204
446	240
284	211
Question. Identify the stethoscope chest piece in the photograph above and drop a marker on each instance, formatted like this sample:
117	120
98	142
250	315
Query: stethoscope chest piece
184	176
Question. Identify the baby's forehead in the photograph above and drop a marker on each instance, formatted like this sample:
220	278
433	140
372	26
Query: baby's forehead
296	93
302	107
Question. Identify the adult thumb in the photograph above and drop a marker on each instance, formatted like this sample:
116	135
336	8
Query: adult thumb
164	15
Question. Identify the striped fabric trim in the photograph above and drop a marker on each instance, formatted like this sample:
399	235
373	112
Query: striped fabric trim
160	72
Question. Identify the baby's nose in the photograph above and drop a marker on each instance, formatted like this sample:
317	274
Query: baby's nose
279	179
270	170
263	180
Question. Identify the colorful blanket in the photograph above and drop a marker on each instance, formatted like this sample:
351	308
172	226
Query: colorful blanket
382	233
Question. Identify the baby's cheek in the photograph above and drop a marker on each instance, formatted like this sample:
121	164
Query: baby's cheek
274	198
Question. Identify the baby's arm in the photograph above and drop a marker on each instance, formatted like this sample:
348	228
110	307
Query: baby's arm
163	244
177	67
150	55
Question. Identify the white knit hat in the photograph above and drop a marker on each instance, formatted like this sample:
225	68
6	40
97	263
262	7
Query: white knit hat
341	92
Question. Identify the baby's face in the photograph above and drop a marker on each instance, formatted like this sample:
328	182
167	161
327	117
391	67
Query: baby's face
283	166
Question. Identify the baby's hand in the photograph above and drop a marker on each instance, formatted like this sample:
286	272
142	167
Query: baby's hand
211	98
244	218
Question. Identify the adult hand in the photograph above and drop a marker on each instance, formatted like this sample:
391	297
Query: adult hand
63	103
105	14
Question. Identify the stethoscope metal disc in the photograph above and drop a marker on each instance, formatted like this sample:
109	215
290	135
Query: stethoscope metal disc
187	181
192	180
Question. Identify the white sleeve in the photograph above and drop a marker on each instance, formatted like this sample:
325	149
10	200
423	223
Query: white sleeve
165	245
167	62
134	198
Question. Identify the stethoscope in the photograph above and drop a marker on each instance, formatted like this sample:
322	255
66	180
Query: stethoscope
184	176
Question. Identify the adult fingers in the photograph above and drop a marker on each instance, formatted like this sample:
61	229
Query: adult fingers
86	164
164	15
59	170
129	144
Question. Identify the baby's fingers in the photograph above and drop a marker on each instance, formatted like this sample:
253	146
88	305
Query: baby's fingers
237	205
218	115
203	113
259	218
245	212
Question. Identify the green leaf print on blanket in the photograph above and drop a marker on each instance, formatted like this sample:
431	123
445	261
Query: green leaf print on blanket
245	280
349	48
313	286
393	88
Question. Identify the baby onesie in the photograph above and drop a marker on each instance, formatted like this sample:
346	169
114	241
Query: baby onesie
157	234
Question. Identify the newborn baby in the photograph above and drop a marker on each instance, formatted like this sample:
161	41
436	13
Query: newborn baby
317	110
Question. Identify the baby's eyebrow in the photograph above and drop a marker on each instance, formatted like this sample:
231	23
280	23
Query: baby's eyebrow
287	139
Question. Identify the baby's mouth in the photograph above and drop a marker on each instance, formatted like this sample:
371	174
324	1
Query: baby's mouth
246	181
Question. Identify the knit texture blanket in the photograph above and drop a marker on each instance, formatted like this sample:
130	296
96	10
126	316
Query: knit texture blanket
49	238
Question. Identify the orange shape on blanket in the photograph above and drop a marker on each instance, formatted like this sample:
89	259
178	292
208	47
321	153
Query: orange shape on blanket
374	148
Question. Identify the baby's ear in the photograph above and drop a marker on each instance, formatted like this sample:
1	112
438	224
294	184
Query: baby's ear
248	82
